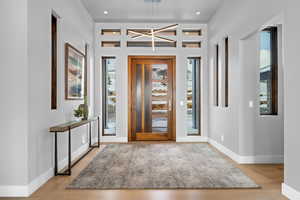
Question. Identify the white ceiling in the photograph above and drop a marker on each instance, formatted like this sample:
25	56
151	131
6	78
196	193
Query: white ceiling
146	11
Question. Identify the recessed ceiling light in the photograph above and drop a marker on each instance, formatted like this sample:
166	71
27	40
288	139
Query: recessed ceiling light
198	13
105	12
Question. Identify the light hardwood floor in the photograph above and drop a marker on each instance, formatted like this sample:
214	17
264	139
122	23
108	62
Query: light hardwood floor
269	177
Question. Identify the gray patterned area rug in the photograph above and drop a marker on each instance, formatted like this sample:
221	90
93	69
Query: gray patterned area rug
160	166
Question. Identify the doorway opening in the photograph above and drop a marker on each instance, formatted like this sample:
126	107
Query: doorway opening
151	98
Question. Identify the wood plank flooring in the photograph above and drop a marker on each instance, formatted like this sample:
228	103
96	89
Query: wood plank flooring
269	177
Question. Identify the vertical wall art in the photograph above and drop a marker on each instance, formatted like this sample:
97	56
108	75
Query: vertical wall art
74	73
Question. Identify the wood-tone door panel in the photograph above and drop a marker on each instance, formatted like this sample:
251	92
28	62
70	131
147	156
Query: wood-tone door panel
151	109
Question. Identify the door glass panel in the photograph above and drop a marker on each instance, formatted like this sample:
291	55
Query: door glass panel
139	97
193	96
159	98
152	98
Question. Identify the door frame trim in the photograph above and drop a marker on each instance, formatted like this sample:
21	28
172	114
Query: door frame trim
173	59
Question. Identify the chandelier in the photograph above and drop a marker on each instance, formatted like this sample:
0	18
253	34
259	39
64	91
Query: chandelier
153	34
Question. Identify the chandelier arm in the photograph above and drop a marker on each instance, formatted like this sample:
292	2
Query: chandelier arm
138	34
153	40
150	36
164	39
165	28
141	35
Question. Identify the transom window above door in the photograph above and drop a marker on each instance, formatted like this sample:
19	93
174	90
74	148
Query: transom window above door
181	36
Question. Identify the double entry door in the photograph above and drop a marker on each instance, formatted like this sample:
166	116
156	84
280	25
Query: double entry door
152	98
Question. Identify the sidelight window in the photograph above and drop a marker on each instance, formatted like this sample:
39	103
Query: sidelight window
109	95
193	90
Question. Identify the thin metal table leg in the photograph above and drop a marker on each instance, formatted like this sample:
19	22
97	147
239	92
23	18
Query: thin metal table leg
69	170
70	154
90	134
55	154
98	131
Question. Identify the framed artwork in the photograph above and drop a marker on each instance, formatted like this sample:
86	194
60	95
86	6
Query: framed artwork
74	73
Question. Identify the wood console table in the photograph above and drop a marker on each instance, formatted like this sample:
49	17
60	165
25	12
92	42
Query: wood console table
68	127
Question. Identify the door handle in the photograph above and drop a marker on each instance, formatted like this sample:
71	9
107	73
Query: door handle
170	105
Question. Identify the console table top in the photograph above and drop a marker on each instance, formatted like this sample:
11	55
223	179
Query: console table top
71	125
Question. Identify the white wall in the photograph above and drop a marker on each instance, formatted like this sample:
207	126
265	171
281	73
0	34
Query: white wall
292	98
76	28
245	132
258	135
122	74
14	93
26	146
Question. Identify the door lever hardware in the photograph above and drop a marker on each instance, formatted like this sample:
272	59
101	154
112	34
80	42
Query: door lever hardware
170	105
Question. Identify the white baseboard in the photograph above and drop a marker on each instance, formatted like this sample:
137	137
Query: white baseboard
258	159
41	180
192	139
290	192
114	139
225	150
64	162
27	190
14	191
271	159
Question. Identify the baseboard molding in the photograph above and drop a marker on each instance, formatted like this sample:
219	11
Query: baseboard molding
64	162
40	181
258	159
27	190
14	191
192	139
114	139
290	192
234	156
271	159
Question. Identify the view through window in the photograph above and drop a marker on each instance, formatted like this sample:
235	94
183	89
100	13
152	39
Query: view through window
193	96
109	95
268	71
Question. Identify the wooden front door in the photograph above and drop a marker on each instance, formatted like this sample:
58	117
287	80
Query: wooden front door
152	98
